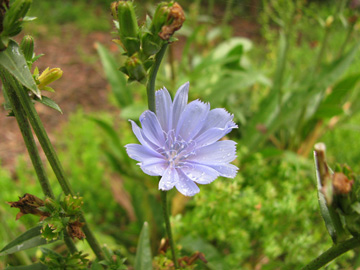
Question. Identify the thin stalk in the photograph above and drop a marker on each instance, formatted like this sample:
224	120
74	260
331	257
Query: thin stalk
332	253
168	226
347	39
53	159
28	137
227	15
150	88
322	49
152	106
29	140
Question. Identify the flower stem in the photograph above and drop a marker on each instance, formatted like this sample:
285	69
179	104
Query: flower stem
150	88
28	137
333	253
152	107
53	158
168	226
24	126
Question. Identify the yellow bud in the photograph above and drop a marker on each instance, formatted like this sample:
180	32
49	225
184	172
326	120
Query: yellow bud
48	76
329	21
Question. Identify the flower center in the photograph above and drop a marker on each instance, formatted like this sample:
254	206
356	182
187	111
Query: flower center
176	149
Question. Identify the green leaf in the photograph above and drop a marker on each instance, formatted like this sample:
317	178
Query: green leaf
35	266
133	111
29	239
274	113
143	259
116	78
332	105
328	213
13	60
50	103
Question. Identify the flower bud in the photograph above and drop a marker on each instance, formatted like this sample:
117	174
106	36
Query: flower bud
135	68
124	12
13	17
329	21
27	47
49	76
174	22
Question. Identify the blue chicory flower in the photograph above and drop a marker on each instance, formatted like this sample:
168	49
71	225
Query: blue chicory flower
181	142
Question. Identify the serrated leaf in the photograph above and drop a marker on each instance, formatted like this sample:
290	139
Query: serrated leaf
35	266
143	259
50	103
29	239
13	60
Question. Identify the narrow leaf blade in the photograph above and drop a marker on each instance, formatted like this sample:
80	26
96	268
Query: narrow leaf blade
115	77
35	266
29	239
50	103
143	254
331	218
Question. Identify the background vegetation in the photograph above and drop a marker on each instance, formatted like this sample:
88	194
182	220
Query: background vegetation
291	81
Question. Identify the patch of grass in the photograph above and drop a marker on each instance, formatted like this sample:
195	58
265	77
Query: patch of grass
52	14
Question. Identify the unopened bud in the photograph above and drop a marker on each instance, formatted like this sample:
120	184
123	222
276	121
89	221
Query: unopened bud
27	47
128	26
329	21
49	76
13	17
135	68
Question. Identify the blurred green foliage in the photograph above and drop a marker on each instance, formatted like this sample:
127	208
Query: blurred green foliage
265	218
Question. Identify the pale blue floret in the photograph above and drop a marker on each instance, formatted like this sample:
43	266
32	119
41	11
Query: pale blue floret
181	142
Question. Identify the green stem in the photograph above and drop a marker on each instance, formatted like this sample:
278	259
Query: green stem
332	253
27	136
322	49
9	86
150	88
347	39
152	106
53	159
227	15
168	226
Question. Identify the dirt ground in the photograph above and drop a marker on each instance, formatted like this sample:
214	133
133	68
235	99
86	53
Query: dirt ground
82	85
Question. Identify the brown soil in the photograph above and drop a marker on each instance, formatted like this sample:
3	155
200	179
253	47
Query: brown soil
82	85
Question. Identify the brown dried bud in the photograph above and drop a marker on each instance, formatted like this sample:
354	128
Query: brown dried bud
176	18
186	261
341	184
28	204
74	230
353	19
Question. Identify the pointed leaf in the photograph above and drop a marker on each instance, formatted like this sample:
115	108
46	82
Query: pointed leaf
50	103
13	60
330	216
116	78
35	266
29	239
143	259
